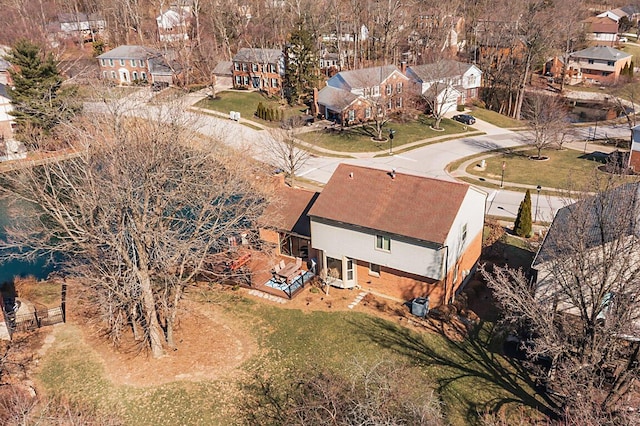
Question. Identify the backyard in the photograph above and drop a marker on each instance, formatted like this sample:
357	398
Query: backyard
360	138
227	338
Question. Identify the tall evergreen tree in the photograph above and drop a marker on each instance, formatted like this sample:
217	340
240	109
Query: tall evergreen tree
523	225
301	71
39	102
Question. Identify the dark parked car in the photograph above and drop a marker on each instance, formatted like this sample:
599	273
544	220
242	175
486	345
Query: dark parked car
465	118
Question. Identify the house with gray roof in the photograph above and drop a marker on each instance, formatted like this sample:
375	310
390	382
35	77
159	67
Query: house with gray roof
590	254
355	96
259	69
464	78
131	64
597	65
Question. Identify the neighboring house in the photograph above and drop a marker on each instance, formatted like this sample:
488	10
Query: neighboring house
132	64
604	229
5	77
285	222
448	29
355	96
346	32
634	156
330	63
466	79
398	235
6	119
173	25
601	31
259	69
598	64
615	14
631	11
81	25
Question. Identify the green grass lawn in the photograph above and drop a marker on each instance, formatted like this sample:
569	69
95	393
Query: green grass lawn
495	118
359	139
563	170
467	375
246	103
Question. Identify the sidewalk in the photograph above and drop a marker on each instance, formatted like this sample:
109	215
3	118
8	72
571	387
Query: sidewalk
461	170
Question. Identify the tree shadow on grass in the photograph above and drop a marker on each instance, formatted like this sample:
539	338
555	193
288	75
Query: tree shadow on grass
470	360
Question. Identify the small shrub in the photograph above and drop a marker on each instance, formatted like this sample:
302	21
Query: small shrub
460	108
314	290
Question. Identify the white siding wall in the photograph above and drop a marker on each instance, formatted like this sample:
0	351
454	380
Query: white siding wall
471	213
361	245
5	107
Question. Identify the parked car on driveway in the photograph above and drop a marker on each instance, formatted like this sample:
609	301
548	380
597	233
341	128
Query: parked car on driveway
465	118
623	40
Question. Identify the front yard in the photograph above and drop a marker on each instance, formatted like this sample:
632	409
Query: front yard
465	373
246	103
565	169
360	138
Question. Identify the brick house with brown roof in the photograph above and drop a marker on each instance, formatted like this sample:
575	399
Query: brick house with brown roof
398	235
355	96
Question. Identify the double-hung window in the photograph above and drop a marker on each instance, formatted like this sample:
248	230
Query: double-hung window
383	243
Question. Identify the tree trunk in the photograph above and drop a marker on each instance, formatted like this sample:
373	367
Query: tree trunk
151	314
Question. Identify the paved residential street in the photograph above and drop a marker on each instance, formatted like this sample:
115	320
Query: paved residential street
430	160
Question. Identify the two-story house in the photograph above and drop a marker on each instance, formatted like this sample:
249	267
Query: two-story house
133	64
598	64
601	30
396	234
173	25
355	96
464	79
259	69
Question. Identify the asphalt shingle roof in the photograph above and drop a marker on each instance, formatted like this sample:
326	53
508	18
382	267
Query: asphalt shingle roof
602	53
130	52
260	56
411	206
366	77
441	69
598	219
334	98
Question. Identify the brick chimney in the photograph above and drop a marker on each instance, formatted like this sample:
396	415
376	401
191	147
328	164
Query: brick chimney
403	67
315	108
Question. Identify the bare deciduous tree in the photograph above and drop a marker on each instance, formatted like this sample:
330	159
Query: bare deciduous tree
547	118
134	216
285	153
375	394
582	312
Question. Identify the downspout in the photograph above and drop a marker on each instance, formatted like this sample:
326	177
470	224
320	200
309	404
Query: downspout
446	271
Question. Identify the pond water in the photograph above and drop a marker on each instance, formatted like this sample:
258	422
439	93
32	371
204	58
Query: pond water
39	269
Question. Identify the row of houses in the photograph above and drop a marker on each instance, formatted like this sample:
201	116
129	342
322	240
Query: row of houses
394	234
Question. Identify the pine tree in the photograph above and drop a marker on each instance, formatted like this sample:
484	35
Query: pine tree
523	226
260	110
301	68
39	103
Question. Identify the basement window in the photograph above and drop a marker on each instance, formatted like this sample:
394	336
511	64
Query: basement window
374	270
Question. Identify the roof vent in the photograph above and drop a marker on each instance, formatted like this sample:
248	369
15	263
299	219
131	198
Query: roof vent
393	173
351	175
